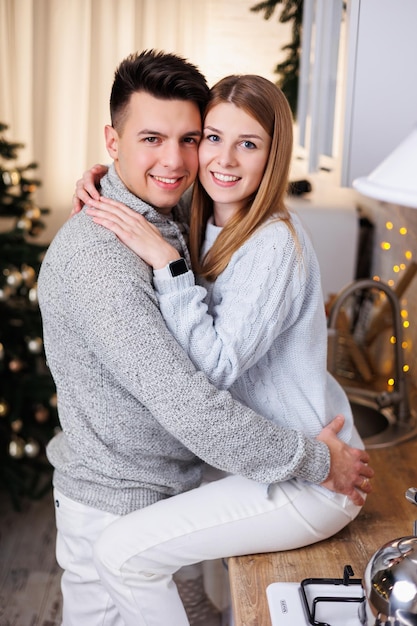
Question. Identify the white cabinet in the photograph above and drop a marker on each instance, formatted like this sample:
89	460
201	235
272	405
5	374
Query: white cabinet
358	84
330	218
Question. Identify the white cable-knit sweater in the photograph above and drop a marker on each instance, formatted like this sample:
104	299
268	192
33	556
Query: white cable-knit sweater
260	329
136	416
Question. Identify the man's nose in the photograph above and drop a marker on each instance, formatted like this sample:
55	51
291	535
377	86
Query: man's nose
172	155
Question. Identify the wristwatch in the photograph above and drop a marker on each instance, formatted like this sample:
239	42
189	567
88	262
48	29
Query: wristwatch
178	267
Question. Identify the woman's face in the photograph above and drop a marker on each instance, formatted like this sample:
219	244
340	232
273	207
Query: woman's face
232	157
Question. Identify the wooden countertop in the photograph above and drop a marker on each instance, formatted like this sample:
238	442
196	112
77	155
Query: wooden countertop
386	515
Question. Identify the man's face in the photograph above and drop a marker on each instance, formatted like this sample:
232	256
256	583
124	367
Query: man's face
156	151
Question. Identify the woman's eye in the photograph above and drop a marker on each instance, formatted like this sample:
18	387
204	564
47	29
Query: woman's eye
213	138
249	144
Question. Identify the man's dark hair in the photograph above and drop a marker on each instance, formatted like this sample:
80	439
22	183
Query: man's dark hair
162	75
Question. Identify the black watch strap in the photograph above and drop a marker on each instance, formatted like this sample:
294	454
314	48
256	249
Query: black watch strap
178	267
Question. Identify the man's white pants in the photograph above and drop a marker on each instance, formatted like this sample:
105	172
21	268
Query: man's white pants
137	555
86	601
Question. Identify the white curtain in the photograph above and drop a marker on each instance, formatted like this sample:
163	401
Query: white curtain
57	61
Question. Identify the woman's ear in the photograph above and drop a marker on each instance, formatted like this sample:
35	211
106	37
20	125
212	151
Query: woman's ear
112	141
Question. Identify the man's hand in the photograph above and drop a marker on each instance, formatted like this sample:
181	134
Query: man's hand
349	470
86	187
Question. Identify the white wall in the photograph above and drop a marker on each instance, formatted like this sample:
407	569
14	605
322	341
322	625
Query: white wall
238	40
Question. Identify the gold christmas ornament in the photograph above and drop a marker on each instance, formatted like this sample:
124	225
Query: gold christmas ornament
32	448
5	293
24	224
33	213
41	414
13	277
28	275
17	448
33	294
11	178
4	408
29	188
16	426
34	345
16	365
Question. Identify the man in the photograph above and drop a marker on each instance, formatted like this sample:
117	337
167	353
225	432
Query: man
137	418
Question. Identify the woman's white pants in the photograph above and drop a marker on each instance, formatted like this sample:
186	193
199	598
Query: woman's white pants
137	554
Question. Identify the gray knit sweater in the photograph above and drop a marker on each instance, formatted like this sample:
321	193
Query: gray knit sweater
136	415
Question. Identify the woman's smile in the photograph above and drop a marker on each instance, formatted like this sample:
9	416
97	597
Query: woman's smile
232	155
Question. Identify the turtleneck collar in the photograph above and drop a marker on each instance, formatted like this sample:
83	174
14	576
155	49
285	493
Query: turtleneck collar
113	187
171	227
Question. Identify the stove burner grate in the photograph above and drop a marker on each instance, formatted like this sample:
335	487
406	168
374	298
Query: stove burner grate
311	611
318	601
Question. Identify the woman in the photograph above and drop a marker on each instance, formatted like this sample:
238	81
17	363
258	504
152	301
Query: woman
255	324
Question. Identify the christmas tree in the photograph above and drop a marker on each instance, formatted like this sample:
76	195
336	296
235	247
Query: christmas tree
28	415
289	69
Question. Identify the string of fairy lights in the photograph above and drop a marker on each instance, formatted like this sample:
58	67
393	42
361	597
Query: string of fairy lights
397	264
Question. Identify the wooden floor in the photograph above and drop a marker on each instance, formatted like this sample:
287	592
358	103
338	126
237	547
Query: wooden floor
29	576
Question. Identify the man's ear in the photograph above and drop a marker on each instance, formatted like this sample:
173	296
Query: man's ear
112	141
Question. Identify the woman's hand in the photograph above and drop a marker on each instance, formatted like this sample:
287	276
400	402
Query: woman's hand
86	188
134	231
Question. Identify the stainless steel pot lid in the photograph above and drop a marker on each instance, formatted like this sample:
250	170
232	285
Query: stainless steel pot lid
390	581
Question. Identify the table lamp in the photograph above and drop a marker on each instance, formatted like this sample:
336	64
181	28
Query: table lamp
395	179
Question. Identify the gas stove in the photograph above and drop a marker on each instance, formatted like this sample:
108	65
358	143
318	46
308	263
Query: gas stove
319	601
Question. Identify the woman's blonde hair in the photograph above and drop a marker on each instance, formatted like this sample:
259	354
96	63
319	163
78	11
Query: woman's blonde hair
266	103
